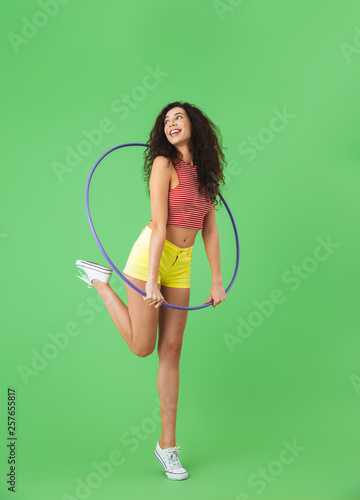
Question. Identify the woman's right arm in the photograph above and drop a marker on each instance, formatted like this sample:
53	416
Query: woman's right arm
159	192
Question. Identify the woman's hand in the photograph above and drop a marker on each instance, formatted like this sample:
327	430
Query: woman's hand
217	293
153	294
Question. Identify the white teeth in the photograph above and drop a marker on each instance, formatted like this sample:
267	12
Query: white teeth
175	132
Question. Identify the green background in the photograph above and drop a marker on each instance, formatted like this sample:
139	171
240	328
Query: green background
292	374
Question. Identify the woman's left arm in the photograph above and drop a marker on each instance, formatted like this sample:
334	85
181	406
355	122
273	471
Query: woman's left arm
210	236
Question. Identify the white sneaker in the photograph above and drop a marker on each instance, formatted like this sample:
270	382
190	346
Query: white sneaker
170	461
93	272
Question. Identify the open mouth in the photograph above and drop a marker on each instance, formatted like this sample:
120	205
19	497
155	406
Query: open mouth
175	132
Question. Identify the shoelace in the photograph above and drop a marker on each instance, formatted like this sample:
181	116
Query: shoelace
85	278
173	458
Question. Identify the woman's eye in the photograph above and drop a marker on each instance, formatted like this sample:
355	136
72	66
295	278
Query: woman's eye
166	121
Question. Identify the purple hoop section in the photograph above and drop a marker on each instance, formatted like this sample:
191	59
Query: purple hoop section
113	265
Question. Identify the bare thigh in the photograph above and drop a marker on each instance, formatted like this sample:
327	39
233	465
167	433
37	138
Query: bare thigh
172	322
144	318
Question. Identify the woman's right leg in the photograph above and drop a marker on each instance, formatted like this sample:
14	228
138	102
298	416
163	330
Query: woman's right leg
137	322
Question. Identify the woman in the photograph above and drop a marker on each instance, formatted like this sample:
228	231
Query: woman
184	168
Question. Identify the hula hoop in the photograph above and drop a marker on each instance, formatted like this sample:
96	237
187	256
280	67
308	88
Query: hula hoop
117	270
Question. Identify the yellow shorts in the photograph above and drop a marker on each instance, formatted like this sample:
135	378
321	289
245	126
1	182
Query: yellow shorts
174	269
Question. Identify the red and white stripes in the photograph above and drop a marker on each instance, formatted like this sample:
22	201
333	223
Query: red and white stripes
186	207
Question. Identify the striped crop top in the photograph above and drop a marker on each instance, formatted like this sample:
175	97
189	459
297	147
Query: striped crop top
186	207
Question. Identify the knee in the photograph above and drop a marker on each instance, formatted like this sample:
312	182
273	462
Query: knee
142	352
171	352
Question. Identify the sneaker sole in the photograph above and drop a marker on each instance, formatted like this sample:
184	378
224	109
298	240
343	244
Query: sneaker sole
87	265
170	475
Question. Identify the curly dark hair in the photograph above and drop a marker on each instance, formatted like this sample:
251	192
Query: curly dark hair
205	146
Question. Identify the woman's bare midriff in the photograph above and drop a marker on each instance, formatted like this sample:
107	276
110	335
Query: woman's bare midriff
180	236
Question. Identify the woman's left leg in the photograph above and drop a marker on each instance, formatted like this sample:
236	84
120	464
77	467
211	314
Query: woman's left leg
171	330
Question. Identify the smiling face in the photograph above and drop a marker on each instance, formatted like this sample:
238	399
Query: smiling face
177	126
